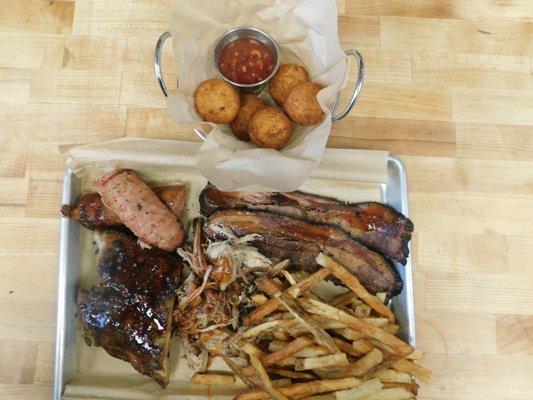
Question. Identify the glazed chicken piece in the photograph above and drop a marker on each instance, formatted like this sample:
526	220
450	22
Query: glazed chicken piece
92	213
129	313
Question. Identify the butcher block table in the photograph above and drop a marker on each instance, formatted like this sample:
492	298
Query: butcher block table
449	89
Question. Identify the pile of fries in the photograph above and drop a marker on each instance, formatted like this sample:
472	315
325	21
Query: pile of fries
299	347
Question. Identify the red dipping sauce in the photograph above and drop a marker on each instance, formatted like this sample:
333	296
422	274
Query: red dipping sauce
246	61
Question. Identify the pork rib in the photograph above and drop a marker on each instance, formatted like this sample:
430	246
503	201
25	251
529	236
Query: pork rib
300	241
373	224
129	313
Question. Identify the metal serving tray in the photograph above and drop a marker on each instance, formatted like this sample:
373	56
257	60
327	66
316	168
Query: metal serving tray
394	193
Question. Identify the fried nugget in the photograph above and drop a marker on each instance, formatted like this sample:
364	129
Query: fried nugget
217	101
270	128
287	76
250	104
301	105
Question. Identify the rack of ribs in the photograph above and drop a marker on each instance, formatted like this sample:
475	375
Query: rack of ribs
129	313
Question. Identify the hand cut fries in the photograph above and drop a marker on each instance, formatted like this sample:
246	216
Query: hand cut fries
214	379
290	374
276	269
259	299
344	299
390	375
274	358
365	389
317	307
304	389
265	379
333	360
357	368
412	387
390	394
416	370
301	348
271	289
321	336
351	281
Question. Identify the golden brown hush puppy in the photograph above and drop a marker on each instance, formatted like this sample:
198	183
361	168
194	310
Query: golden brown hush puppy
217	101
287	76
301	105
250	104
270	128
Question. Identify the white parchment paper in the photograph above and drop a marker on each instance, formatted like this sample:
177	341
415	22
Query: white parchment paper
306	31
351	175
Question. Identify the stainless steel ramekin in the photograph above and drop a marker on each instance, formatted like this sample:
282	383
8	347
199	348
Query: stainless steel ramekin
250	33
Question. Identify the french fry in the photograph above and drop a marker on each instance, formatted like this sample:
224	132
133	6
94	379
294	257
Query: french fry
275	358
291	349
316	307
416	355
289	277
418	371
381	322
276	269
281	335
356	368
279	383
391	375
251	348
362	346
362	311
290	374
268	327
412	387
332	360
344	299
383	347
237	369
350	334
327	323
270	287
304	389
353	283
288	362
308	283
327	396
390	394
321	336
346	348
266	383
212	379
276	345
259	299
312	351
393	329
365	389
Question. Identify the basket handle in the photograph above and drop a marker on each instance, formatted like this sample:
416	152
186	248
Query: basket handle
157	62
357	88
335	117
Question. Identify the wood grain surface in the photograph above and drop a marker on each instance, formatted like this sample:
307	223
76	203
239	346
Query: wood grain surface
449	88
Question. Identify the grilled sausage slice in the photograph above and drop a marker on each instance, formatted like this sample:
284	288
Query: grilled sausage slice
140	209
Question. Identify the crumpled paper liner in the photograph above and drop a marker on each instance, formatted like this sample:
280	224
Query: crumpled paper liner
306	31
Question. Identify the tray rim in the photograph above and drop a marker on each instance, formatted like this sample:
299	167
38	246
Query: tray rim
66	251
